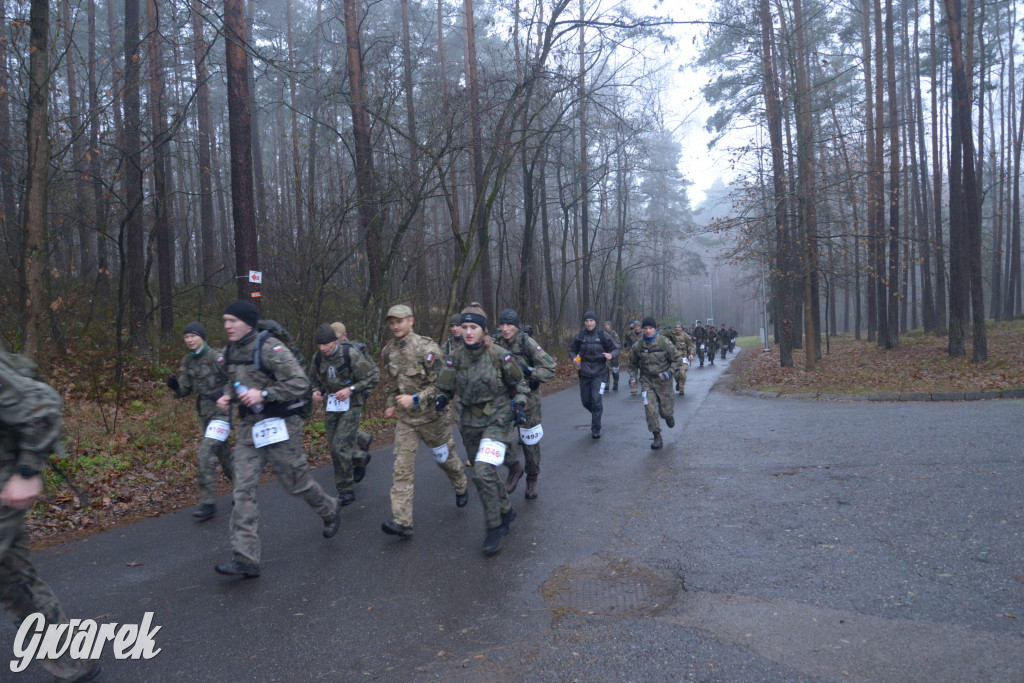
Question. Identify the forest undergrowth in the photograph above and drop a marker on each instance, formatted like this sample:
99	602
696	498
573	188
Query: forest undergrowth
919	364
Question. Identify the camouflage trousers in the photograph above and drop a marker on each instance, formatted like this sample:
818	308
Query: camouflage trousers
407	442
681	377
531	453
211	453
658	400
292	469
488	484
342	439
22	592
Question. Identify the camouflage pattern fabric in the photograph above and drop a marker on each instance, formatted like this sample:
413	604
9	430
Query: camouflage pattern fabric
650	359
342	432
528	353
288	384
30	420
411	366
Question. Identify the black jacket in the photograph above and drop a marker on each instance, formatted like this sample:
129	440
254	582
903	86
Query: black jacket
591	347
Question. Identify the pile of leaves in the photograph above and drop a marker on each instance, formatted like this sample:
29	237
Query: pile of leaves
920	363
131	447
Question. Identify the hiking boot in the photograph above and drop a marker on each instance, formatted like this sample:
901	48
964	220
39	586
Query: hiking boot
359	471
395	529
656	444
615	387
670	421
515	473
333	523
506	520
595	433
461	499
205	512
493	541
633	391
236	568
531	487
346	498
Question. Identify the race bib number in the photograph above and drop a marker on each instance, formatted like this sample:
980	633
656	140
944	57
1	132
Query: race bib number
531	436
603	386
441	454
336	406
491	452
686	361
701	347
269	431
645	397
217	429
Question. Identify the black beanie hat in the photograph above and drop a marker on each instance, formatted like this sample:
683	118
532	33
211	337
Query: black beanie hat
509	317
195	327
456	319
244	311
325	334
649	321
590	315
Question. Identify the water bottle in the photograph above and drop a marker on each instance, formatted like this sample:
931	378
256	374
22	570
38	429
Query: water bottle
241	389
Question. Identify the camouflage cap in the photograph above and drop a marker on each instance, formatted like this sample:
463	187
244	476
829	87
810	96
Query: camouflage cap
339	329
399	311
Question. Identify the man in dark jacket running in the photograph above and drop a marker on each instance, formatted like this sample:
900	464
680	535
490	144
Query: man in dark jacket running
591	350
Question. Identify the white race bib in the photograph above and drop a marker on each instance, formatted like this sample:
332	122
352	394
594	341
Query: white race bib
701	347
603	385
336	406
645	397
532	435
491	452
441	454
686	360
217	429
269	431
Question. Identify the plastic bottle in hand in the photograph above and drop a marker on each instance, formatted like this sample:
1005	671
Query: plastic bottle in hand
241	389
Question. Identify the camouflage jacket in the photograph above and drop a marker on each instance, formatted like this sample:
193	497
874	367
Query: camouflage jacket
30	418
682	342
411	366
529	354
283	380
654	357
346	367
485	379
204	374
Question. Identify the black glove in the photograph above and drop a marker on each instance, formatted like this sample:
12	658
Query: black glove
518	414
527	369
172	382
665	375
440	402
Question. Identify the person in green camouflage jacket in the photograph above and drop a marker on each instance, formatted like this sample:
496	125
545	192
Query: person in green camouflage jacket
339	374
202	372
657	361
611	380
363	438
538	367
684	345
270	392
30	421
411	365
492	393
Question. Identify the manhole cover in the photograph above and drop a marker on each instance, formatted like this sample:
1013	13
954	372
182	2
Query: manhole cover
610	588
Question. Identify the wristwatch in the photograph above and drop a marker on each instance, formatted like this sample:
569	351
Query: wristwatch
263	393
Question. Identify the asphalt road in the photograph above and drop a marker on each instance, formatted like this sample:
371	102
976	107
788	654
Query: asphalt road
768	540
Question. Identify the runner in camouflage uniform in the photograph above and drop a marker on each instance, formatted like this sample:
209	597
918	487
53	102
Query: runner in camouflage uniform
493	393
339	374
269	391
30	420
538	367
411	365
611	380
202	372
657	361
684	345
